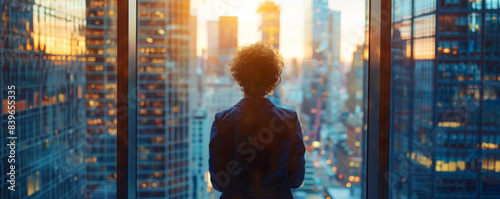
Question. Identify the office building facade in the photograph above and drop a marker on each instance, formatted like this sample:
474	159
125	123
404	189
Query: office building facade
212	47
42	56
100	41
200	128
444	114
334	75
269	28
355	81
163	105
228	42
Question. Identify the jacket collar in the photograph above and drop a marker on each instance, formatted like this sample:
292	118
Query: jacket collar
254	101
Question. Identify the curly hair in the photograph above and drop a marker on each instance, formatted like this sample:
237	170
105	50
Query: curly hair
257	68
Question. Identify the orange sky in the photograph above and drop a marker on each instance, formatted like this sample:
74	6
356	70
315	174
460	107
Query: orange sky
292	17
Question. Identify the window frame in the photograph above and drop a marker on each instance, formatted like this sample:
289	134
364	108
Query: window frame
378	111
126	153
378	102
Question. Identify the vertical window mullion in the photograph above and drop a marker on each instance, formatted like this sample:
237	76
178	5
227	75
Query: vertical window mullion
126	99
379	82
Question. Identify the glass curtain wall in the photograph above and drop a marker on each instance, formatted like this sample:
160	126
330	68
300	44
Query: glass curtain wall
42	88
444	99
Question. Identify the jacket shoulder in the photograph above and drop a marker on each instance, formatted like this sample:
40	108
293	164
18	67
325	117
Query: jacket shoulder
226	114
287	113
291	120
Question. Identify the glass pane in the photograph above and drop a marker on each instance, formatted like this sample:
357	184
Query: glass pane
184	48
43	88
444	105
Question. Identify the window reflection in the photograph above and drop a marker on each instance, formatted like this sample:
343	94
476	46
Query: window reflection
444	101
42	53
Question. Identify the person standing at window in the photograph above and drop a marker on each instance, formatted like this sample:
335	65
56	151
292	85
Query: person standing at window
256	148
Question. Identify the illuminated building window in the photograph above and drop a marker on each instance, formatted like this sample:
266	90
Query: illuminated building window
30	185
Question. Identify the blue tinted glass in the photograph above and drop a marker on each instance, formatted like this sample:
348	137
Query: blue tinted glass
444	105
42	88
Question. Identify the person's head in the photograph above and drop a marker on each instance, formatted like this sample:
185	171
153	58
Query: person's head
257	69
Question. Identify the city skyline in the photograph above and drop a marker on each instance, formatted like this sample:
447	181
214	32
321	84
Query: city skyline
291	40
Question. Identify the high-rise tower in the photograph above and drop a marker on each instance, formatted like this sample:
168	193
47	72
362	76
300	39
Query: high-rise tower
42	46
228	42
212	47
270	33
163	105
444	98
100	41
270	23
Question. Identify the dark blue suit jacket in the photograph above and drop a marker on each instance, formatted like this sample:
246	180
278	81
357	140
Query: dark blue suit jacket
256	151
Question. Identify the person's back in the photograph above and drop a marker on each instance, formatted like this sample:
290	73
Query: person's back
256	148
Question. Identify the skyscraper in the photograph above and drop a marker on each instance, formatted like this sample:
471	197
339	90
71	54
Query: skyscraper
321	67
445	58
355	81
212	47
269	23
163	105
228	42
42	61
100	41
333	79
195	65
200	136
199	124
270	33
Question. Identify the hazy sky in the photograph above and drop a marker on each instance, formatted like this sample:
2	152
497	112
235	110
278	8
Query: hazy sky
292	23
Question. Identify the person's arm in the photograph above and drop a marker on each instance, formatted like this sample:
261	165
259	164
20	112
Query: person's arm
296	161
216	164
